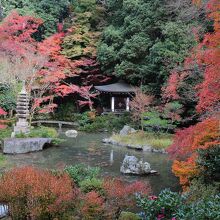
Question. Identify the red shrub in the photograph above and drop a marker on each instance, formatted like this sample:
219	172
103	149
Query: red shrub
121	195
35	194
93	206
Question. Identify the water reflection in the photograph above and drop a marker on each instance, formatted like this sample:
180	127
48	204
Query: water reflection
88	149
111	157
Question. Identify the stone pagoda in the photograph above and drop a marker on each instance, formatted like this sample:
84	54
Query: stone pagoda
22	109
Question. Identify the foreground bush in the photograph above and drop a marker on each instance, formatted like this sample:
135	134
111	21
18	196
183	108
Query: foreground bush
80	172
35	194
170	205
120	196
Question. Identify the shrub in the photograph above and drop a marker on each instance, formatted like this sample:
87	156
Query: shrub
128	216
93	184
203	209
66	112
93	206
121	195
43	132
209	164
153	121
170	205
81	172
198	190
35	194
2	159
5	133
109	122
162	206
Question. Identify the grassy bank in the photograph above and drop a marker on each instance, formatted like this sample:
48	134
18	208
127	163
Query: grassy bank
156	140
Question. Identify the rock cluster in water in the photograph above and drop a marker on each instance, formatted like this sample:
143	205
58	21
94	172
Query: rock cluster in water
131	165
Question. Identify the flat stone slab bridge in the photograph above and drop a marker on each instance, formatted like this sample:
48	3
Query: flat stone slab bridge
60	123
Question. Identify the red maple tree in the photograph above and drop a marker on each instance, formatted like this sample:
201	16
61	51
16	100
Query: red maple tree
204	134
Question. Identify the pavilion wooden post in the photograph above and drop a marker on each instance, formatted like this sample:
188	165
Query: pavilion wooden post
113	103
127	104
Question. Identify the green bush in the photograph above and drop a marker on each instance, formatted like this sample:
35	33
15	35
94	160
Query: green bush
2	160
108	122
165	204
7	97
81	172
128	216
93	184
170	205
5	133
209	164
198	190
43	132
153	121
83	120
66	112
203	209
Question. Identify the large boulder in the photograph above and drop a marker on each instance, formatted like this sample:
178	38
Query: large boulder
24	145
127	130
131	165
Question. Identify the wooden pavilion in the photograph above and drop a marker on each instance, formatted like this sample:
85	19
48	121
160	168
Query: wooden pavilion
115	97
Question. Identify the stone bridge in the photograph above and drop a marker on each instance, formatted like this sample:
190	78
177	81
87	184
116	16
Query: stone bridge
59	123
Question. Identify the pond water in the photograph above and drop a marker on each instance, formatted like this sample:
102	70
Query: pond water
88	149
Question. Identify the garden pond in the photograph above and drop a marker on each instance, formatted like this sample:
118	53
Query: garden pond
87	148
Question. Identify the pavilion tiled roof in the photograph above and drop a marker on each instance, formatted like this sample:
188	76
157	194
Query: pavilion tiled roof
119	87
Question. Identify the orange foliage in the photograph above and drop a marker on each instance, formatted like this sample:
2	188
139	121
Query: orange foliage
185	170
196	2
35	194
203	135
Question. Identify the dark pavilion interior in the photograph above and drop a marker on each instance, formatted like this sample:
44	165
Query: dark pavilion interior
115	97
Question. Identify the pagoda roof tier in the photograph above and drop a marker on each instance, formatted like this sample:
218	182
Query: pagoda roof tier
21	111
22	104
22	115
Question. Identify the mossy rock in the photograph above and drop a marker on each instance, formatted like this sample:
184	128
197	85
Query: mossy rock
129	216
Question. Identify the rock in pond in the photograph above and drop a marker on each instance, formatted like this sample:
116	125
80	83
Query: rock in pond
131	165
71	133
127	130
24	145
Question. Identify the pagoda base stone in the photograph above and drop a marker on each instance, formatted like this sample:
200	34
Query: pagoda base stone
21	126
24	145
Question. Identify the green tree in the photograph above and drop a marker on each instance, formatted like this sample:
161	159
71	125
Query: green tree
143	42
